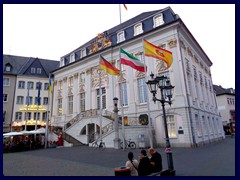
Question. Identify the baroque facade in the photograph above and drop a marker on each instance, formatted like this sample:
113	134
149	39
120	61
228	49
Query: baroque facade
82	92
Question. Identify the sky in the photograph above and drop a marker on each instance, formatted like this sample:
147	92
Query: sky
50	31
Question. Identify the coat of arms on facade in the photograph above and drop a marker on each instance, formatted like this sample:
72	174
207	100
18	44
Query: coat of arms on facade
101	42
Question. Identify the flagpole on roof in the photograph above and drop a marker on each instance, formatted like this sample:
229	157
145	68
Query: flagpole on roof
100	103
120	13
149	116
121	100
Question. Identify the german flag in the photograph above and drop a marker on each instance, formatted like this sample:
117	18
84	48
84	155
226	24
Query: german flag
158	53
108	68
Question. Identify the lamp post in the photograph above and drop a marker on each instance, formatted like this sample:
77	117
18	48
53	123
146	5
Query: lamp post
163	83
116	129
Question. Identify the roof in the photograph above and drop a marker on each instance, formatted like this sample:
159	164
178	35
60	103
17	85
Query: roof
21	64
220	90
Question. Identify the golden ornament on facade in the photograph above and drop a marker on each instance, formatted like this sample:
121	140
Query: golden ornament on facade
172	43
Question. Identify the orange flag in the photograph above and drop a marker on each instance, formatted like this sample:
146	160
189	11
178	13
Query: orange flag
158	53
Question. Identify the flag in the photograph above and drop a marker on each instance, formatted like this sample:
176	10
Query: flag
28	98
50	86
158	53
125	6
39	98
131	61
107	67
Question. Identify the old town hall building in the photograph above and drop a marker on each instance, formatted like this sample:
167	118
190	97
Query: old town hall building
83	94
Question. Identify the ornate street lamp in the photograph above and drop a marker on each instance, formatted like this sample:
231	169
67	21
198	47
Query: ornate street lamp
166	89
115	110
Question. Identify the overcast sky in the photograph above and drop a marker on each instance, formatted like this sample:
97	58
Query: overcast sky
51	31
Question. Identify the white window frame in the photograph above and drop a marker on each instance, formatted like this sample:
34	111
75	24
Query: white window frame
6	81
70	104
18	116
158	20
5	97
59	107
8	68
83	52
82	77
198	126
33	70
138	29
44	116
121	37
30	84
61	62
39	70
60	86
46	86
36	101
101	94
28	115
123	87
82	101
21	84
171	125
36	116
70	81
142	90
20	99
72	57
30	100
45	101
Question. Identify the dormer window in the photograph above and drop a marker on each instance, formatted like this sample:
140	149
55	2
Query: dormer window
120	37
33	70
62	62
72	57
39	70
158	20
138	29
83	52
8	67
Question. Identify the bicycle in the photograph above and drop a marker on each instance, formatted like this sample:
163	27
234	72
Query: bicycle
128	144
100	146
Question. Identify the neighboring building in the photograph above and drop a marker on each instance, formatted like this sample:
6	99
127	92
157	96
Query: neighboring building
226	106
193	118
18	74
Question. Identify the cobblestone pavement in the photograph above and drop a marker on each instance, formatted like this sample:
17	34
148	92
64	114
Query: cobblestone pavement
215	159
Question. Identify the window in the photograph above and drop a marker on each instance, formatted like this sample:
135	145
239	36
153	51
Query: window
44	116
83	53
30	84
171	126
123	88
158	20
82	77
59	110
36	116
36	101
8	68
82	102
28	115
210	126
21	84
20	100
142	90
120	37
140	56
70	104
29	100
6	82
204	125
33	70
39	70
102	94
46	86
18	116
72	57
5	97
198	125
70	82
60	85
138	29
62	62
39	84
45	101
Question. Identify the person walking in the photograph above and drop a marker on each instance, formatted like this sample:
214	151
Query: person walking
132	164
156	160
144	167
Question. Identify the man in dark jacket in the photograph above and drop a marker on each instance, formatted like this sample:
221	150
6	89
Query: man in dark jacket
156	160
144	166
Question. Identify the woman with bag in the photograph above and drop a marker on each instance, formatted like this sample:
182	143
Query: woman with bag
132	164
